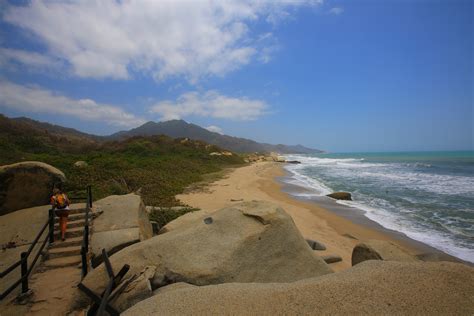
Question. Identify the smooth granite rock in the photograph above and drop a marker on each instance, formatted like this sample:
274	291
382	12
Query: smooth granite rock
27	184
80	164
332	258
380	250
316	245
341	196
248	242
370	288
122	222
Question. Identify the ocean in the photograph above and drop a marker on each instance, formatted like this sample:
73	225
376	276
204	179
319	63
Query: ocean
428	196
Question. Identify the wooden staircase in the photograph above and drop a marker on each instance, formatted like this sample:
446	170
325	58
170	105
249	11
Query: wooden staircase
67	253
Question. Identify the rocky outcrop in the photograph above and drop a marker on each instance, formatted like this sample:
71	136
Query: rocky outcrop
371	288
257	158
222	153
80	164
332	258
123	221
316	245
341	196
380	250
188	219
27	184
277	158
248	242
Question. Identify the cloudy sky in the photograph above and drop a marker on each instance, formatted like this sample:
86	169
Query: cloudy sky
333	74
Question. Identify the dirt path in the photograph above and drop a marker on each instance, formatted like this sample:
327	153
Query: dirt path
54	291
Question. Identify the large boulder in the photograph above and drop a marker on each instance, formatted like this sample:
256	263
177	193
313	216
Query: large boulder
371	288
188	219
123	221
380	250
248	242
27	184
341	196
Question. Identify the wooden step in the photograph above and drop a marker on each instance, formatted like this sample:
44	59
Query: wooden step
74	217
64	252
72	224
74	241
73	232
62	262
77	211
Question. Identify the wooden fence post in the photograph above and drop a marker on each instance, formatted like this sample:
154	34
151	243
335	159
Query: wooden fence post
24	272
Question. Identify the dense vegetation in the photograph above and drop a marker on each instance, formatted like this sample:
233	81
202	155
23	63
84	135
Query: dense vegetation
159	166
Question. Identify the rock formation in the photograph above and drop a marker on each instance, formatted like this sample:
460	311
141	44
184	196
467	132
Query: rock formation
332	258
370	288
316	245
80	164
27	184
123	221
379	250
341	196
248	242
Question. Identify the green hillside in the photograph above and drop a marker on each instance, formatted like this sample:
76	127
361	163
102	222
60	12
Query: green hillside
159	166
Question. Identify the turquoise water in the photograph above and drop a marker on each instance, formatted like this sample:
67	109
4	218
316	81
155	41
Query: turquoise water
429	196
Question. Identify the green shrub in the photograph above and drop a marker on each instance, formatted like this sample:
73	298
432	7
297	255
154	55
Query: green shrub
161	167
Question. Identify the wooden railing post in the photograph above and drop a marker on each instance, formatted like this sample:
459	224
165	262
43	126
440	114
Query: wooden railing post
85	237
84	261
86	243
24	272
51	226
89	196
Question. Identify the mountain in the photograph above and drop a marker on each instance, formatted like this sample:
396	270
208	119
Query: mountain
72	138
23	134
27	123
182	129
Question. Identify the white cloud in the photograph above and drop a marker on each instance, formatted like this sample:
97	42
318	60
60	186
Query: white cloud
210	104
114	39
36	99
336	10
30	59
215	129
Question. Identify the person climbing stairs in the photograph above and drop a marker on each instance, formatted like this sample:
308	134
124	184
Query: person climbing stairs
67	253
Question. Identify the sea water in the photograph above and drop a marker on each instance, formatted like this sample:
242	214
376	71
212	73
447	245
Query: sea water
428	196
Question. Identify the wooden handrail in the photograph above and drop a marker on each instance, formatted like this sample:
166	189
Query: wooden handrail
85	236
23	262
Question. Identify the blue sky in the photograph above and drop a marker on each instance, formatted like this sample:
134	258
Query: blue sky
337	75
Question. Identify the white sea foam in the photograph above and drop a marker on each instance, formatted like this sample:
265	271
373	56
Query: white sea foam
413	230
394	217
314	185
434	183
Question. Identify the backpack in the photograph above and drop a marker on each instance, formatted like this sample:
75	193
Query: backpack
61	200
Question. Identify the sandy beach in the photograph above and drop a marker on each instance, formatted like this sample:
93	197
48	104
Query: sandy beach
258	181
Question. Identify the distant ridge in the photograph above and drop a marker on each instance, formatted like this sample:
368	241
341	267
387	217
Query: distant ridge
53	129
173	128
182	129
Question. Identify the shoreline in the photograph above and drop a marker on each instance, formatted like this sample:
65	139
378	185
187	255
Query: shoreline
261	181
357	216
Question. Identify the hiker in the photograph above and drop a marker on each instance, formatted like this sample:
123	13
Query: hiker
60	204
